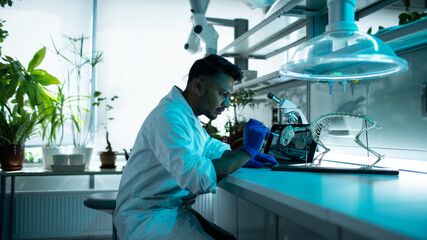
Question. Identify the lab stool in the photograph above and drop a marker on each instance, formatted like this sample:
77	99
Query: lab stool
105	201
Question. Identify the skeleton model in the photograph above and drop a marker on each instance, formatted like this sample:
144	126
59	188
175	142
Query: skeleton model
322	124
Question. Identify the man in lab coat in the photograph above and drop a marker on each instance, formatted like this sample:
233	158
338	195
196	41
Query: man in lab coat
174	159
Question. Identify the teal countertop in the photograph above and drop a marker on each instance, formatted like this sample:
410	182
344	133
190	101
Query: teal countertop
390	207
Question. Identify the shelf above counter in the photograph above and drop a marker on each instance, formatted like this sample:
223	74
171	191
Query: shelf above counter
403	38
267	80
260	41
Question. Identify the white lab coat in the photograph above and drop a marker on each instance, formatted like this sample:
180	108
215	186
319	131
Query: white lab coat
170	164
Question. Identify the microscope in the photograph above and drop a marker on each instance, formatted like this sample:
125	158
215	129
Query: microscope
286	112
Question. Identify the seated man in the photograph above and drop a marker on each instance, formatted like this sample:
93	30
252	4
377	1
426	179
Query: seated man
174	159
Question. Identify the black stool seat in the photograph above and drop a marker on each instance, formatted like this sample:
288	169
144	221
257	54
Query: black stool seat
102	201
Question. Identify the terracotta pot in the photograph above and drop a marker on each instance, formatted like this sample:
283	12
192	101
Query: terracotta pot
108	159
12	157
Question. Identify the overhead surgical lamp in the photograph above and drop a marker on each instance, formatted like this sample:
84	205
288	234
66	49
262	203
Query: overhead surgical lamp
201	30
343	53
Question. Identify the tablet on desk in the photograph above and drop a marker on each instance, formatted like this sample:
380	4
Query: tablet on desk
300	149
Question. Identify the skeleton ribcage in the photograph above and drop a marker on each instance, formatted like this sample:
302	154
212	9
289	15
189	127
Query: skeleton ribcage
323	123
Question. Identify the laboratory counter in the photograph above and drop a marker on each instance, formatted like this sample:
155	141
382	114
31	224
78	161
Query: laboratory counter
358	205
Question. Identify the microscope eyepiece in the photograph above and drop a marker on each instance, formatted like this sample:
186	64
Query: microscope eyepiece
271	96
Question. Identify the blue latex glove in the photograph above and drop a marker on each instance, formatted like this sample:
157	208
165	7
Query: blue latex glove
259	160
253	136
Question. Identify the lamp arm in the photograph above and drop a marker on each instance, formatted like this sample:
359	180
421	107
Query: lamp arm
193	43
198	7
206	33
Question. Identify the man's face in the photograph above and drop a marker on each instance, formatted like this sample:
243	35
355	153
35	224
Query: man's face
216	97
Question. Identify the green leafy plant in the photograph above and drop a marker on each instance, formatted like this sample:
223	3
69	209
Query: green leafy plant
4	2
31	157
370	29
108	107
3	33
405	17
78	64
235	127
409	16
17	126
55	117
239	99
22	92
211	130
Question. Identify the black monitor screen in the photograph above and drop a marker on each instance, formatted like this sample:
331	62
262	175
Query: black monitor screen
300	149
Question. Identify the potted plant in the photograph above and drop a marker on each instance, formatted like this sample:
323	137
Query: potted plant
235	127
21	93
15	128
79	63
54	117
108	157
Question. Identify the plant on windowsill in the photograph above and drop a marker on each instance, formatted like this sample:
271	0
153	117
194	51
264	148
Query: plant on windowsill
78	64
108	157
235	127
54	118
22	92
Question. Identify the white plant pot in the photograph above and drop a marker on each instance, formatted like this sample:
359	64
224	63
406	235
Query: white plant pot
47	155
87	151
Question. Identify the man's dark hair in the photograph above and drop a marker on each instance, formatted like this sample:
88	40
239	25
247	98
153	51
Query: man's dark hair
214	64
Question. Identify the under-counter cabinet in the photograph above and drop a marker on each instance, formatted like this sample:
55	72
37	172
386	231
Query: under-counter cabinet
265	204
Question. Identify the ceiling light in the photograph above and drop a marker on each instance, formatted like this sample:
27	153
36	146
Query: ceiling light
342	52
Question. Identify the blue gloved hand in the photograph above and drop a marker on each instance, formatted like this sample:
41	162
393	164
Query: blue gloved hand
259	160
253	136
